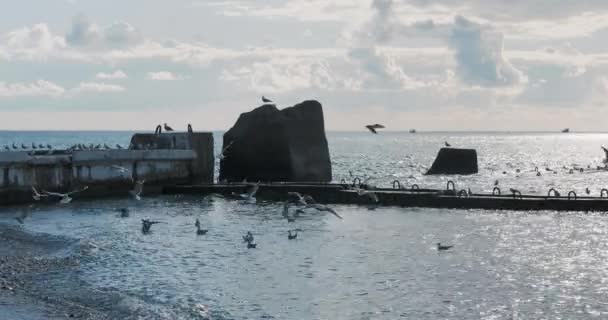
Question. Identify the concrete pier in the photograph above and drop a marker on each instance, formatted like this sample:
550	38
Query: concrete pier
425	198
165	159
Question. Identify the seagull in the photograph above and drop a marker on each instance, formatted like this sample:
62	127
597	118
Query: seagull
322	207
36	195
251	245
447	144
138	189
97	147
106	146
371	195
118	146
514	191
65	197
41	146
291	236
373	127
251	191
14	146
91	146
34	146
49	146
587	190
119	168
298	198
221	156
23	146
442	248
146	224
496	182
248	237
7	148
167	128
199	231
265	100
124	212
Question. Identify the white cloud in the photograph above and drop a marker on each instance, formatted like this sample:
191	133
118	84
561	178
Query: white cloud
38	88
163	76
85	33
118	74
96	87
478	50
31	43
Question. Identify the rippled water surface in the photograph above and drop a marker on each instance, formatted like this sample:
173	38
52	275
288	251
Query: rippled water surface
374	264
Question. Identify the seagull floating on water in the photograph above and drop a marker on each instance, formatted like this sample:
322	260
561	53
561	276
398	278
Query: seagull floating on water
443	248
146	224
292	236
199	231
65	197
372	127
248	237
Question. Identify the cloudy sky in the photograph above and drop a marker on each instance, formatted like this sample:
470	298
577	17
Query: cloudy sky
429	65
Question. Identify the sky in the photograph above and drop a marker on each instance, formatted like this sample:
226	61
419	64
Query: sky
430	65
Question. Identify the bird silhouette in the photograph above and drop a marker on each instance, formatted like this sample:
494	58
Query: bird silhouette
443	248
372	127
265	100
292	236
447	144
167	128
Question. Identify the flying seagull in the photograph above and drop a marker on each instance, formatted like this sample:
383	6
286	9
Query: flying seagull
322	207
373	127
251	191
36	195
65	197
138	189
265	100
167	128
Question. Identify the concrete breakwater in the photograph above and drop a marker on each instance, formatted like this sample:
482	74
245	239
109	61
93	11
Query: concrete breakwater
157	159
417	197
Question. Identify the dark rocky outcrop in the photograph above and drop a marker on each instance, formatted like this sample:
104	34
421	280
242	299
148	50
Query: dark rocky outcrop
269	144
455	161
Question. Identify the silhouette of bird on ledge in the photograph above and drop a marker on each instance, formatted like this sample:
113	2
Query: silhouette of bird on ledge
265	100
373	127
447	144
167	128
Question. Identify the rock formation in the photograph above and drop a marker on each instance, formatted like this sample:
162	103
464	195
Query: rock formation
269	144
455	161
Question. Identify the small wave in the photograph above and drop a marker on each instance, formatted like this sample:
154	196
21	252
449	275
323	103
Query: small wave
19	241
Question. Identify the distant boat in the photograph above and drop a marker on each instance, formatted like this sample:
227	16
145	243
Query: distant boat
412	130
566	130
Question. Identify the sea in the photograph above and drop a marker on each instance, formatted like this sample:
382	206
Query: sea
373	264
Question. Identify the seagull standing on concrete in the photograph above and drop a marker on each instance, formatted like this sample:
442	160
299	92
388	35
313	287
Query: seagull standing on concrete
167	128
65	197
138	189
265	100
447	144
373	127
118	146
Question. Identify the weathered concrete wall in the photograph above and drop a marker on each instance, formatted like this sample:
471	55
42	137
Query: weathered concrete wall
185	158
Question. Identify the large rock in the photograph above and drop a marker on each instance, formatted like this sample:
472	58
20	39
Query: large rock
455	161
269	144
